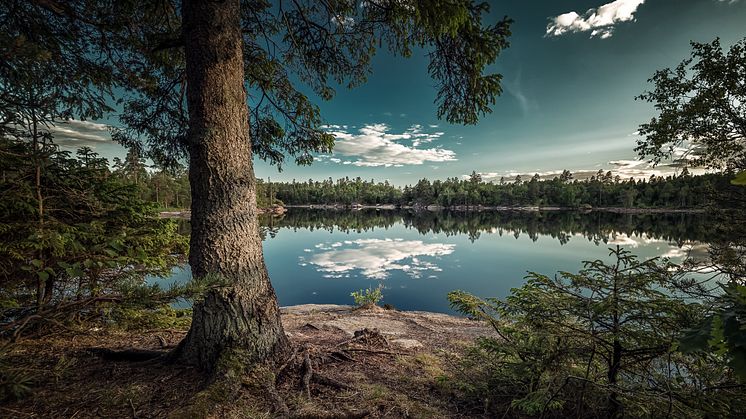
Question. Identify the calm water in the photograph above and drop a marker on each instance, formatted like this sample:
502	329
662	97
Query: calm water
321	256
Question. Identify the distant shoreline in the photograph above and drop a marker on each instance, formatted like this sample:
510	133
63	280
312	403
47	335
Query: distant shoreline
478	208
279	210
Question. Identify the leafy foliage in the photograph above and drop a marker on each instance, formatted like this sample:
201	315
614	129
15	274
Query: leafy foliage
167	187
598	227
51	68
740	179
724	331
291	48
73	235
702	108
368	296
602	342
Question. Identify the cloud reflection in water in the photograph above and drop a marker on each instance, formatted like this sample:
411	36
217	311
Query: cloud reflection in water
375	258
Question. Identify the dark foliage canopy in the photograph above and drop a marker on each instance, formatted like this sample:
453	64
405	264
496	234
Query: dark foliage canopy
88	50
293	47
702	109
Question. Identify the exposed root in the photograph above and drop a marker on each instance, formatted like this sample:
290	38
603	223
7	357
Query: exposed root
277	400
304	363
309	326
307	374
282	368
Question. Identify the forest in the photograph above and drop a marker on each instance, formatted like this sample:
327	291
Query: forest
169	189
601	190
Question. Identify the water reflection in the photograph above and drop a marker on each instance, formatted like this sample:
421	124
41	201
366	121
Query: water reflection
484	253
597	227
375	258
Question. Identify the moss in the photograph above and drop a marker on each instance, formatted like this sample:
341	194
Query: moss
430	364
396	403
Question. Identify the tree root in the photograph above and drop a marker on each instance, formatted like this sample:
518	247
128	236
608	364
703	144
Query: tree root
280	370
307	374
277	400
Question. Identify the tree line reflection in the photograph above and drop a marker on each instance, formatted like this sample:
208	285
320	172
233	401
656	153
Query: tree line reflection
599	227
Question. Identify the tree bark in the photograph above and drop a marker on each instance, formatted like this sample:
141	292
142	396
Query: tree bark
241	319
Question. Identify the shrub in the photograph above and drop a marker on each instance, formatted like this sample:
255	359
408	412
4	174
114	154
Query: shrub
367	297
75	237
599	343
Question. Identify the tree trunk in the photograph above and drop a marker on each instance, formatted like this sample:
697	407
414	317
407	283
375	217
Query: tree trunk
241	319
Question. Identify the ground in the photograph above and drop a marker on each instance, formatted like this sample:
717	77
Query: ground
363	363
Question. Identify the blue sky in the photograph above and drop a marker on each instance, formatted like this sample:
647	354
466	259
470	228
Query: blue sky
570	78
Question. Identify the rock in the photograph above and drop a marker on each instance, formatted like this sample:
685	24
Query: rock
407	329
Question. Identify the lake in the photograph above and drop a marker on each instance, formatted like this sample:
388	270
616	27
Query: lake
321	256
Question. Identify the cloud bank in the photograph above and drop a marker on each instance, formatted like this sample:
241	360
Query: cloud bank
374	145
80	133
600	22
375	258
625	169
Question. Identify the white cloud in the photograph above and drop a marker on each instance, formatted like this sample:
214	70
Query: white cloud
640	169
598	21
80	132
374	145
375	258
625	169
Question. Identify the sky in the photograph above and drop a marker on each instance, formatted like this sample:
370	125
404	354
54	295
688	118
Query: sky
571	76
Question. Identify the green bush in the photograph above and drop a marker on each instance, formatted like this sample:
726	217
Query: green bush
599	343
76	238
367	297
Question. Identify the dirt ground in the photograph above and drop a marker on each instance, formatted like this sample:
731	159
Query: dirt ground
347	363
